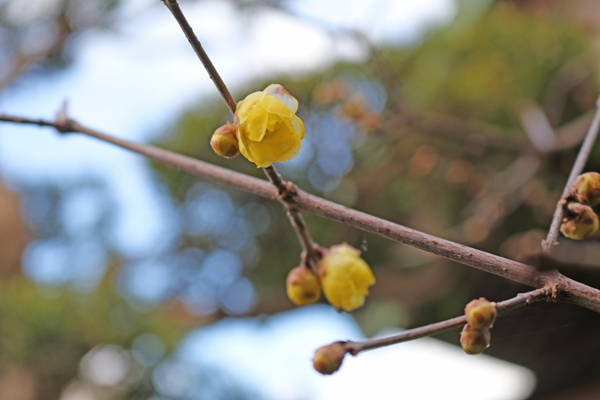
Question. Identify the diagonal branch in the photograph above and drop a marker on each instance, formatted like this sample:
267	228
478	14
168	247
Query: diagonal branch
311	253
584	152
565	289
503	307
208	65
286	190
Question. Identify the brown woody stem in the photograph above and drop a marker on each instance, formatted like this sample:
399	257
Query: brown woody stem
311	254
502	307
584	152
566	289
173	6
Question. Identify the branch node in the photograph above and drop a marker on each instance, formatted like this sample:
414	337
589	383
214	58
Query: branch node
63	123
287	192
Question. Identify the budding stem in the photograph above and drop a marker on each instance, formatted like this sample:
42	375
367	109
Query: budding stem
584	152
503	307
311	254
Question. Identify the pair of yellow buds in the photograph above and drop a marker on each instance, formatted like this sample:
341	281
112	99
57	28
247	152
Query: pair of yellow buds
265	129
580	220
343	277
475	336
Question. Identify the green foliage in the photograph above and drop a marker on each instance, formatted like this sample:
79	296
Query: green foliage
485	71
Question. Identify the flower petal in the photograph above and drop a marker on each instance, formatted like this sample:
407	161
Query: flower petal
245	107
278	91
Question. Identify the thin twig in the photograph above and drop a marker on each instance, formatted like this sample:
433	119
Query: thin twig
311	253
567	290
584	152
195	43
502	307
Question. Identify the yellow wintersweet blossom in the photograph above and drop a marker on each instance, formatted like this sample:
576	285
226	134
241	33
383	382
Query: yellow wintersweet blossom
268	129
345	277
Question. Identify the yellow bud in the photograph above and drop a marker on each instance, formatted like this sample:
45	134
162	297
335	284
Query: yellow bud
480	313
302	286
586	189
345	277
474	341
328	359
224	141
580	222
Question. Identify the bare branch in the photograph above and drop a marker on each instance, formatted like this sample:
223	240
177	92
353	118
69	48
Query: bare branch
286	190
566	289
502	307
195	43
578	166
311	254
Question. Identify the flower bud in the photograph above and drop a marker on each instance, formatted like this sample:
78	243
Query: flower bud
345	277
224	141
580	222
328	359
586	189
480	313
302	286
474	341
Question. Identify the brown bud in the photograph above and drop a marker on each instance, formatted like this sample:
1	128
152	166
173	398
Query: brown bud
224	141
302	286
474	341
480	313
328	359
580	222
586	189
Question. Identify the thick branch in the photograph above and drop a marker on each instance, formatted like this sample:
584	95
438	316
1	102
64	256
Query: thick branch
566	289
502	307
578	166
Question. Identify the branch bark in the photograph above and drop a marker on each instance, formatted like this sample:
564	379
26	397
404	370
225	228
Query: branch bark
565	289
521	300
584	152
195	43
311	253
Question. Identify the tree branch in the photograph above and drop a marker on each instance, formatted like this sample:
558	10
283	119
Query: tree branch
311	254
195	43
286	190
565	289
584	152
522	299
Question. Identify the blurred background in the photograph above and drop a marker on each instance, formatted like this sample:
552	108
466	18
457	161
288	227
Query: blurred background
124	279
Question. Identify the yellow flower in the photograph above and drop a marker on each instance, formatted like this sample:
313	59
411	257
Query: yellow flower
345	277
268	129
